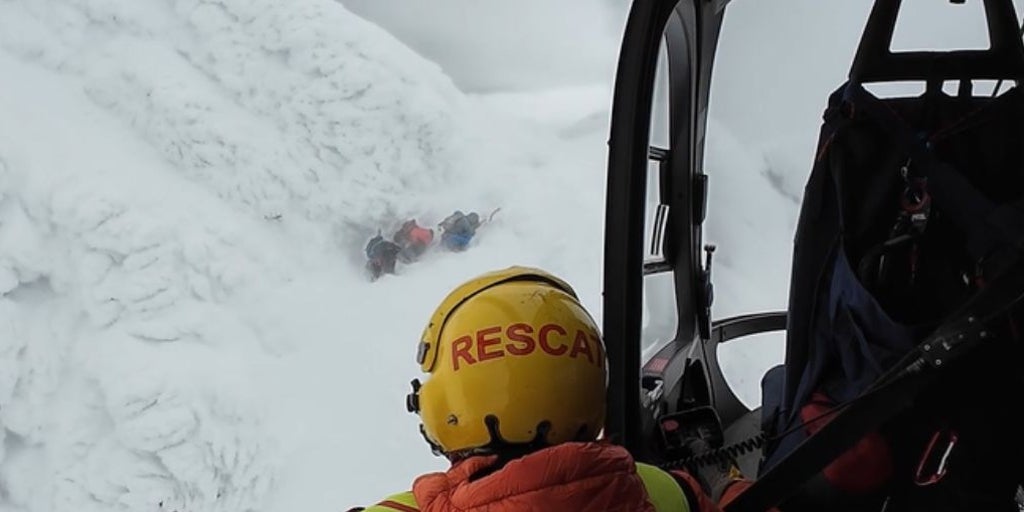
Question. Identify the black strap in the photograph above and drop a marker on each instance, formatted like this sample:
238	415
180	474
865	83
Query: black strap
987	226
891	394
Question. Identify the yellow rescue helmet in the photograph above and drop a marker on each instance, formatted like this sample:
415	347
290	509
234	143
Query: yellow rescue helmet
514	359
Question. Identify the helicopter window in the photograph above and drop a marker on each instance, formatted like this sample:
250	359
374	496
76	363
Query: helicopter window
989	87
656	213
758	153
902	89
655	216
950	26
906	89
660	108
659	311
746	359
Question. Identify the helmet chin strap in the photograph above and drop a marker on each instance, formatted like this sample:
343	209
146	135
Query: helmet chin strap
505	450
434	447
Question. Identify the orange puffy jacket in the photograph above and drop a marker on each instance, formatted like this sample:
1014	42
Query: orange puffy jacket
569	477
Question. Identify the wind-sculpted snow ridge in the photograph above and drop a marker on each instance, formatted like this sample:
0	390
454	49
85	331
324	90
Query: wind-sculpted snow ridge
124	368
176	165
286	109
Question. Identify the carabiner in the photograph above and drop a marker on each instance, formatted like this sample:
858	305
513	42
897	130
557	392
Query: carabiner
933	465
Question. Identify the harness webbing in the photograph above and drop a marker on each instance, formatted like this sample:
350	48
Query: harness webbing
986	225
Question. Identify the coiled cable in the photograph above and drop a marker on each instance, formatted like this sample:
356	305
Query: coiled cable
718	455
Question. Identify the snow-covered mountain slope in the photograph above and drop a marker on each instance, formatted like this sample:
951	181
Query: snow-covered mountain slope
297	109
185	189
131	365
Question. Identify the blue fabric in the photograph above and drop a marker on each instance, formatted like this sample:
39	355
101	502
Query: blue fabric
853	341
774	417
455	241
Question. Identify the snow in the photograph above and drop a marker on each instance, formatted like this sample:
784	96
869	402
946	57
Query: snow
185	190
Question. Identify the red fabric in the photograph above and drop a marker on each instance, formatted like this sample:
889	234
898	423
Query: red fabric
704	502
567	477
735	489
421	235
865	467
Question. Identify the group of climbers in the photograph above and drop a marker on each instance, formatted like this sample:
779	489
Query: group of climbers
412	240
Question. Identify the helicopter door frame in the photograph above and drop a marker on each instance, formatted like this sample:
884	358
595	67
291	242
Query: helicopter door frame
689	29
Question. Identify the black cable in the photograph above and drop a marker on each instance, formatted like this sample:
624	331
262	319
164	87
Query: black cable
750	444
725	453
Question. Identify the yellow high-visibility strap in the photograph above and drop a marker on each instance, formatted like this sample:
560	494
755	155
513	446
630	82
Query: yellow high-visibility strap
404	502
664	492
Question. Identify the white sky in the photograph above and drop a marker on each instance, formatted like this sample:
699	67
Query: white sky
524	45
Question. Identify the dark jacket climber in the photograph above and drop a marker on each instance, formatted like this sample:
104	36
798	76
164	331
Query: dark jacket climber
537	448
413	239
381	255
458	229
